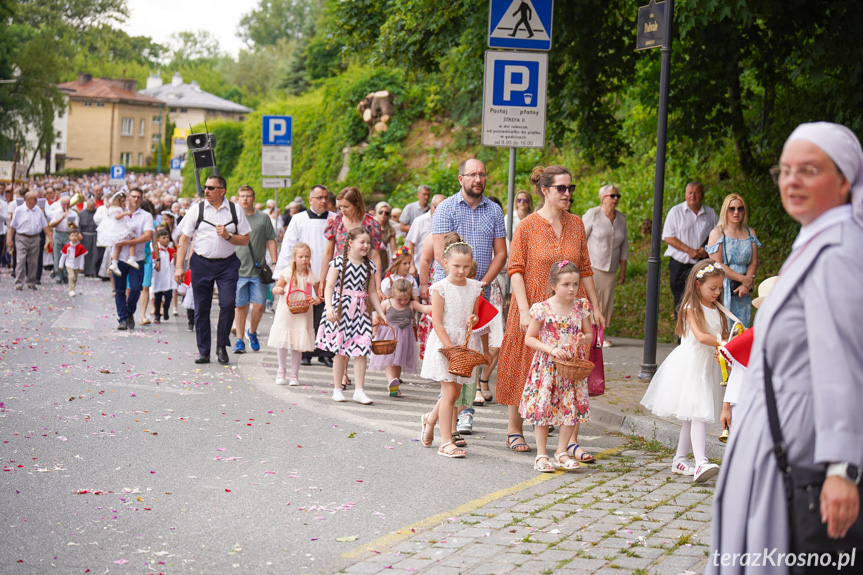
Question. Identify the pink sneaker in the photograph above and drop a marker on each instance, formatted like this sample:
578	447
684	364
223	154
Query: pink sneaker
681	467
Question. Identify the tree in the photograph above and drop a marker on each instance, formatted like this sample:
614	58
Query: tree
275	20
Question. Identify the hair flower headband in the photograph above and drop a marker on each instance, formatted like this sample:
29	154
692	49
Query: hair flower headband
446	249
562	263
711	268
402	251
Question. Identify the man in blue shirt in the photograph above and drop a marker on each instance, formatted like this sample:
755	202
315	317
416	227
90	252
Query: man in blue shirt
478	221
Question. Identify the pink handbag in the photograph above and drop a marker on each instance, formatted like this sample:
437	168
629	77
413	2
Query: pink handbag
596	379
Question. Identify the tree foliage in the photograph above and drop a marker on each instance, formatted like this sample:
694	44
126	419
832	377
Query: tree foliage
275	20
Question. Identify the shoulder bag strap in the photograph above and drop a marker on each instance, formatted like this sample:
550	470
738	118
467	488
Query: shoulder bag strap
727	313
200	214
724	256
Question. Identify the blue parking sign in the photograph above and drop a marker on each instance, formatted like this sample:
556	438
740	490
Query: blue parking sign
516	83
175	163
118	172
276	130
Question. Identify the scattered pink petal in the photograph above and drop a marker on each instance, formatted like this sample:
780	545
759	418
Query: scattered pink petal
121	561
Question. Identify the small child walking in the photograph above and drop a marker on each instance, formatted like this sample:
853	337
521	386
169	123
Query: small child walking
686	385
163	276
400	267
72	259
558	327
399	309
118	228
455	301
347	331
293	331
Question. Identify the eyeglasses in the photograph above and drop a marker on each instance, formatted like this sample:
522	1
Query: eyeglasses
563	189
317	197
523	201
805	172
211	188
383	213
476	176
613	196
736	210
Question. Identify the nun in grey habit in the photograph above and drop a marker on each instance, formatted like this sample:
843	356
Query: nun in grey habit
810	330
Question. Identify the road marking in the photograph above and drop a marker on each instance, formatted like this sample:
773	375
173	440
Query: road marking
391	539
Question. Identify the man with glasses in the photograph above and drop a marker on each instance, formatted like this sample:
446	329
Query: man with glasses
687	227
141	224
415	209
308	227
217	227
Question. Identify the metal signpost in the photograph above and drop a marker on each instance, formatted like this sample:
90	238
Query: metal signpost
118	176
175	169
655	20
514	94
276	135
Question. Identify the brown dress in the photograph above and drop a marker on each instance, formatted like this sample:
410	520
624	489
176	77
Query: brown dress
535	247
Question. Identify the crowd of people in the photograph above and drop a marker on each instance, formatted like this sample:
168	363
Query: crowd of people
419	291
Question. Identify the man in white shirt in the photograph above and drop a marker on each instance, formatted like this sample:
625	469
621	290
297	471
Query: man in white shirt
419	231
218	227
60	215
686	229
308	227
141	224
28	221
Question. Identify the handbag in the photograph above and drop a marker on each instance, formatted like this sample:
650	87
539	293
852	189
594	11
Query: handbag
265	273
803	494
596	379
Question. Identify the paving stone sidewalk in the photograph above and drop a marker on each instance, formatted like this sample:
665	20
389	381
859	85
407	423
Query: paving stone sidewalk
626	514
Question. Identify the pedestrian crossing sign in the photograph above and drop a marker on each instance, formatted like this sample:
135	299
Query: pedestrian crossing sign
520	24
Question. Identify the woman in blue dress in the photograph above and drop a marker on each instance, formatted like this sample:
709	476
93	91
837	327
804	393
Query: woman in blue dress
734	244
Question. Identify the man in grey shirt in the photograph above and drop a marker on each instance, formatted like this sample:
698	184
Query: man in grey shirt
415	209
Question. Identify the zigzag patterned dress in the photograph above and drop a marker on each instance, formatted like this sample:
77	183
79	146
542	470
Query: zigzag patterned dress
352	336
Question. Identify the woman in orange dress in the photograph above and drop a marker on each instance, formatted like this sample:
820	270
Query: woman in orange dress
549	235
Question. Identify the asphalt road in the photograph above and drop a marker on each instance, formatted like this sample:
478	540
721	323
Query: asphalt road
121	456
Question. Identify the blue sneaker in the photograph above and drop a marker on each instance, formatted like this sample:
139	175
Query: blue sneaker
239	347
465	421
253	341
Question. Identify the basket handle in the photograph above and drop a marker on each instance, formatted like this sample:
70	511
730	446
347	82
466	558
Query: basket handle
470	323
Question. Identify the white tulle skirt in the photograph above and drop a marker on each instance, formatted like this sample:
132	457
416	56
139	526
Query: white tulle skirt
686	385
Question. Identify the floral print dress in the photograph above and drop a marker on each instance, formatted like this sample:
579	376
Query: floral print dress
549	399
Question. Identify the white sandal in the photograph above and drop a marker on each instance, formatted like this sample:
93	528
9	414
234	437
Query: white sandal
456	453
567	465
548	467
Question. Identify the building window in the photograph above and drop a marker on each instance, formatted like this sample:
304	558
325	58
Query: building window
127	126
174	110
100	104
126	158
88	104
141	127
140	159
183	110
59	146
157	119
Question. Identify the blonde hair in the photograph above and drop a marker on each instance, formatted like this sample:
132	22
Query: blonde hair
119	200
394	265
691	301
292	267
402	286
723	213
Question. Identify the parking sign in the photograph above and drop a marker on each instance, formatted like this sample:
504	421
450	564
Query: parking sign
118	175
276	153
514	99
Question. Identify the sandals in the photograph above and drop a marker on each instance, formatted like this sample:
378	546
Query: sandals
486	391
453	452
426	438
585	457
479	400
458	440
511	440
346	381
546	467
567	465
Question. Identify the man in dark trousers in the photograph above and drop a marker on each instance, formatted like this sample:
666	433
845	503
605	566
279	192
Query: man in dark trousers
218	227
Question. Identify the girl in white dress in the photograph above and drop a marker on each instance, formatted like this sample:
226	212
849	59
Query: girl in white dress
117	227
455	299
686	385
293	331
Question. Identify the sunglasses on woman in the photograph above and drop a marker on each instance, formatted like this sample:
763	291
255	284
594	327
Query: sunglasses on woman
613	196
561	189
384	213
523	201
735	210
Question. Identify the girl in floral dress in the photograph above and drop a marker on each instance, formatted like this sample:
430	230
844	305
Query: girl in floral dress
557	328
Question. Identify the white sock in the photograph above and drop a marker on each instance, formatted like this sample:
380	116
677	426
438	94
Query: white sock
683	443
699	441
282	355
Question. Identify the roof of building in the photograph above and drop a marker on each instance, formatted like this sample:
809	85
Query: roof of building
192	96
111	89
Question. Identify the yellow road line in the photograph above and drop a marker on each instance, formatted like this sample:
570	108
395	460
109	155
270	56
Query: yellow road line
391	539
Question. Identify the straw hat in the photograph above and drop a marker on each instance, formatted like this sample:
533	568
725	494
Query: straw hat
764	290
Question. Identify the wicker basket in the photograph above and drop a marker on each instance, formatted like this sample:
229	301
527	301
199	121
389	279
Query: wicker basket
384	346
462	359
298	305
574	368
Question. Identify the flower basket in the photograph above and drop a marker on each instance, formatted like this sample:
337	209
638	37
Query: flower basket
384	346
462	359
575	368
299	305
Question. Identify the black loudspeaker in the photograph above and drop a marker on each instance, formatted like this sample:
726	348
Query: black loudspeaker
201	146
